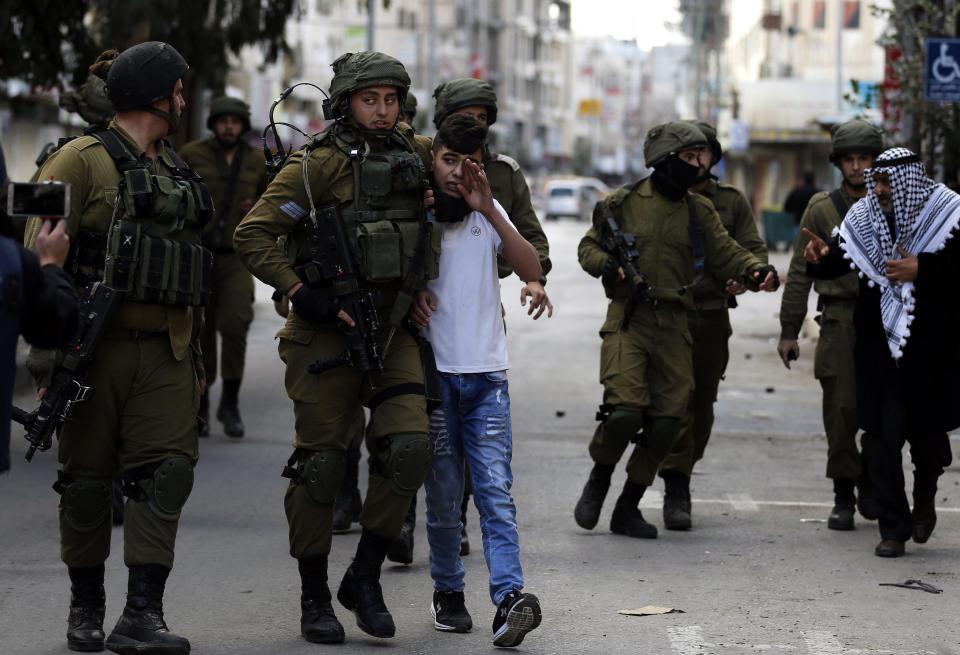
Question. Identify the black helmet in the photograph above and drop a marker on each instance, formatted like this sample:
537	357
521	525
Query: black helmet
464	92
710	132
143	74
227	106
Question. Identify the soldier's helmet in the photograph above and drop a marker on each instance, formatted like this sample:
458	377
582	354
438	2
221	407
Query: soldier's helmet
227	106
362	70
855	135
143	74
410	104
90	101
710	132
669	138
464	92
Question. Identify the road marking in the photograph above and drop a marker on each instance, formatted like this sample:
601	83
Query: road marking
743	503
784	503
687	640
820	642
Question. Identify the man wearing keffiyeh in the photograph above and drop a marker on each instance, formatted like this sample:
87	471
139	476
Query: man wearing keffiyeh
899	240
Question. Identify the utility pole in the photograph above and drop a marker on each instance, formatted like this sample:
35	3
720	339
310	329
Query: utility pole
839	57
371	22
431	56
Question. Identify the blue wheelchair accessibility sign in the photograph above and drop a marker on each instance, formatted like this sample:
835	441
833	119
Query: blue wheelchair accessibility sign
941	81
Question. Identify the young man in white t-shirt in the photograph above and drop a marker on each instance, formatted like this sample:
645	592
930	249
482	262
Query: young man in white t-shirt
461	316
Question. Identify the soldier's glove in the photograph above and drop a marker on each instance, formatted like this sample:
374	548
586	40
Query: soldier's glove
41	364
760	274
314	306
610	273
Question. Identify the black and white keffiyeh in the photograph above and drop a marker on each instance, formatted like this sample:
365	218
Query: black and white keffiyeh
925	216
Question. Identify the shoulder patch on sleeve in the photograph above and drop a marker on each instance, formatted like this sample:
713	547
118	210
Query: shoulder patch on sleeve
83	142
509	161
293	210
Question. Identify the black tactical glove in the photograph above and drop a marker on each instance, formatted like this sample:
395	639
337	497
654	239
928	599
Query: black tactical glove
760	274
610	274
314	306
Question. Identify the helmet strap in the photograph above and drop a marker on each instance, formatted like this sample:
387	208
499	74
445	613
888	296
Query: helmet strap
172	118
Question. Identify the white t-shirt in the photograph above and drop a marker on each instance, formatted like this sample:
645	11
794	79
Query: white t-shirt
467	330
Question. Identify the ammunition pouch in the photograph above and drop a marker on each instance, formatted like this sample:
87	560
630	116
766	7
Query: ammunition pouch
152	251
156	270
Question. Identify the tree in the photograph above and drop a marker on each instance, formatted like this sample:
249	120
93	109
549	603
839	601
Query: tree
931	129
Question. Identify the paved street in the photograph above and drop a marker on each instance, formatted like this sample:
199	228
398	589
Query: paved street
759	572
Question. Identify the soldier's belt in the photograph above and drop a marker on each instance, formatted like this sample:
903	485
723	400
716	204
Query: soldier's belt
827	301
117	334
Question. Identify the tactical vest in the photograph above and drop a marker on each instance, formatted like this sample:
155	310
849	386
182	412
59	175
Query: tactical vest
151	252
11	302
386	220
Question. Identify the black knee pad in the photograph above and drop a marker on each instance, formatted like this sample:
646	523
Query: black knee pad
622	424
407	460
85	502
320	473
167	490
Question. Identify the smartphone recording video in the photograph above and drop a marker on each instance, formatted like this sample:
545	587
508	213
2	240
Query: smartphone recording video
45	199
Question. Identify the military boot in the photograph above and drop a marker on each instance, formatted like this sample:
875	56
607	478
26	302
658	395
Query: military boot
844	504
228	412
627	519
87	606
141	629
360	590
587	511
924	519
318	623
401	550
203	416
677	507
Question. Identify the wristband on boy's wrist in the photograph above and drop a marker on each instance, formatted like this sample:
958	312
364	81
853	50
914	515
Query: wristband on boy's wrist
543	280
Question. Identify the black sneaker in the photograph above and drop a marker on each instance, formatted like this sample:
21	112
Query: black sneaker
516	615
449	612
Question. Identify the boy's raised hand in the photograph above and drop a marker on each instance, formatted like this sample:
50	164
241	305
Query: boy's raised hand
422	308
475	188
538	300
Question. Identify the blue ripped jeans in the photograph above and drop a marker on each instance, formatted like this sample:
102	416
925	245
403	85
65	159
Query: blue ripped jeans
473	425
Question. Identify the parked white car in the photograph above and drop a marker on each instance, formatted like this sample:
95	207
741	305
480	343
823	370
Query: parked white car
572	196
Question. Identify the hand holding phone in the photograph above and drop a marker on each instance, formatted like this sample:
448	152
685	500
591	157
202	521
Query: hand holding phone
53	243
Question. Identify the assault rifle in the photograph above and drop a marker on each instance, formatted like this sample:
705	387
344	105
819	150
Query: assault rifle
67	386
331	258
623	246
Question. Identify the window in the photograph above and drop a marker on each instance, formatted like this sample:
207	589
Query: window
851	14
819	14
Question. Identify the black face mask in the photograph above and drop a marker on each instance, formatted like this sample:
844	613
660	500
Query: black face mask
450	209
673	176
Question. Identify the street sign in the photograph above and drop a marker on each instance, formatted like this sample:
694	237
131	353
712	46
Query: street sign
941	70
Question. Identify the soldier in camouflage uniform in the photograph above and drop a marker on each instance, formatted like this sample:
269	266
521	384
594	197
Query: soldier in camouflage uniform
710	328
134	206
371	169
855	144
646	364
234	171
